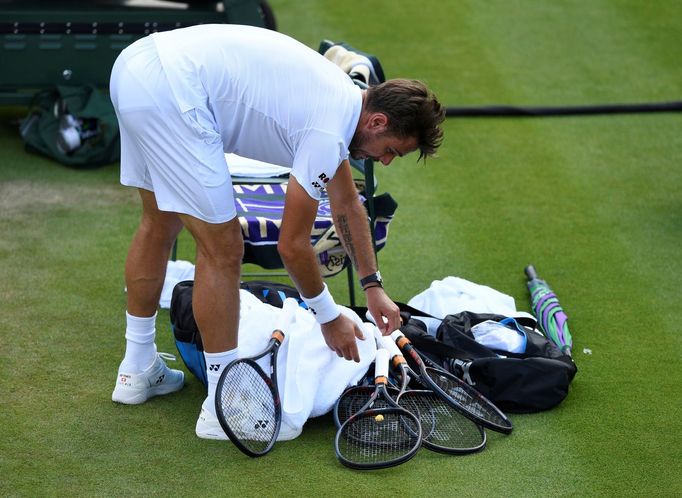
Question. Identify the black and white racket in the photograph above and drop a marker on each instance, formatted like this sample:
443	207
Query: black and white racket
247	399
375	438
460	395
444	429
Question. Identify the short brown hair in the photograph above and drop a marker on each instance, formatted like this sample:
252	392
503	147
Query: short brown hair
412	111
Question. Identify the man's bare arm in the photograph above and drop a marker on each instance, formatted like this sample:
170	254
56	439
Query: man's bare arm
294	245
299	259
350	219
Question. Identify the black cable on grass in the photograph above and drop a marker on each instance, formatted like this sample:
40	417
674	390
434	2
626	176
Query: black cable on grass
514	111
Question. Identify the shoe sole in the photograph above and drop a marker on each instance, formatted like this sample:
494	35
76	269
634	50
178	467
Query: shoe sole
213	433
212	436
121	396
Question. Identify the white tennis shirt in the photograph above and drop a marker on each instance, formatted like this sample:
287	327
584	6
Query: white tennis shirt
270	97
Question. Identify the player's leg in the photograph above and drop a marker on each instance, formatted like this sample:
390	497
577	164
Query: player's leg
215	300
143	373
215	303
148	255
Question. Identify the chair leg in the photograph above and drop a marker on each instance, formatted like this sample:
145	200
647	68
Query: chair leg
174	251
351	285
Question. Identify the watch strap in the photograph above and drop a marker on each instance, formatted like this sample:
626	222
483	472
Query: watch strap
372	278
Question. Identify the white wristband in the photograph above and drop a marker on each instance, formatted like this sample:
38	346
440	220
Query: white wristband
323	306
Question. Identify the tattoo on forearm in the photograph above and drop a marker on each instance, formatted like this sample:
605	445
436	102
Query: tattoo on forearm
346	238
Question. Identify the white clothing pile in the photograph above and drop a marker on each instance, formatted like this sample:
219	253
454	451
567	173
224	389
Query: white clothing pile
310	376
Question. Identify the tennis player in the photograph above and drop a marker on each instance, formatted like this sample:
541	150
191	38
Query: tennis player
186	97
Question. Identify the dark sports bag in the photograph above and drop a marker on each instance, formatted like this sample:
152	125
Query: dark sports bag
75	125
185	330
184	327
535	380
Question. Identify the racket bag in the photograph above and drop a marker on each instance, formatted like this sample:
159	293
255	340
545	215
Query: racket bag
185	329
272	293
537	379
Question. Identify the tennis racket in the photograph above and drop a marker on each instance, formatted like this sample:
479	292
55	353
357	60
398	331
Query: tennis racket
375	438
247	399
460	395
444	429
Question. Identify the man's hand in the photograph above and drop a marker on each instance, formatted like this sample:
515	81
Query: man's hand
340	334
385	312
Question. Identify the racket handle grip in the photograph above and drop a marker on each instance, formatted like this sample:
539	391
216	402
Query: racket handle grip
381	364
531	273
387	343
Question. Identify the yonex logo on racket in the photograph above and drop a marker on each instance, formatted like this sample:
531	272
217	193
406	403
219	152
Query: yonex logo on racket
261	424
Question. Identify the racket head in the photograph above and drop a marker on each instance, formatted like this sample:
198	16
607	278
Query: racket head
375	438
461	396
378	438
444	429
248	407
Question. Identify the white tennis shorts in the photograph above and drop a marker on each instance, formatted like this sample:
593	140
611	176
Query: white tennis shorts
178	156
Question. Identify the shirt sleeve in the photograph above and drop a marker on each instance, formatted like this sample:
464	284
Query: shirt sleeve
316	162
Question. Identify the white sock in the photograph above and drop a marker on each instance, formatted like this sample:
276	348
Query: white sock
215	364
140	347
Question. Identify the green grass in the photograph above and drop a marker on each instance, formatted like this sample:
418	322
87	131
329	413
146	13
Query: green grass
594	202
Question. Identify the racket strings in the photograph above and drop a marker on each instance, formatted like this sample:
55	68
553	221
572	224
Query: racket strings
378	437
442	425
249	406
473	404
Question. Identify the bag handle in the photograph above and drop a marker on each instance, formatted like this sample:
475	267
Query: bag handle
405	311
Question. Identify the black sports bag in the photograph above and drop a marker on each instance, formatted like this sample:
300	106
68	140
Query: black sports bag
535	380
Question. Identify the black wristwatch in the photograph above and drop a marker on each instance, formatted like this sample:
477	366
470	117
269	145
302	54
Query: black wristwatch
370	279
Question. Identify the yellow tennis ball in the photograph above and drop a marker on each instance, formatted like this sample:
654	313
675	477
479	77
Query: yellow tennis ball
379	418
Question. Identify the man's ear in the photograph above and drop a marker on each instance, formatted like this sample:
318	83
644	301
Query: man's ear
378	121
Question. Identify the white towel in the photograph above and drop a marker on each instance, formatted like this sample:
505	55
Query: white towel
251	168
453	295
496	335
310	376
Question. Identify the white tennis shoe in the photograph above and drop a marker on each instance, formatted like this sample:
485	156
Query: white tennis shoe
208	426
134	389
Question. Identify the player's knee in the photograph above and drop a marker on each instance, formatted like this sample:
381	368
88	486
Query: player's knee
221	254
163	230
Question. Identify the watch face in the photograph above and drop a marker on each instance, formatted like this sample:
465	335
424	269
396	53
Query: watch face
375	277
